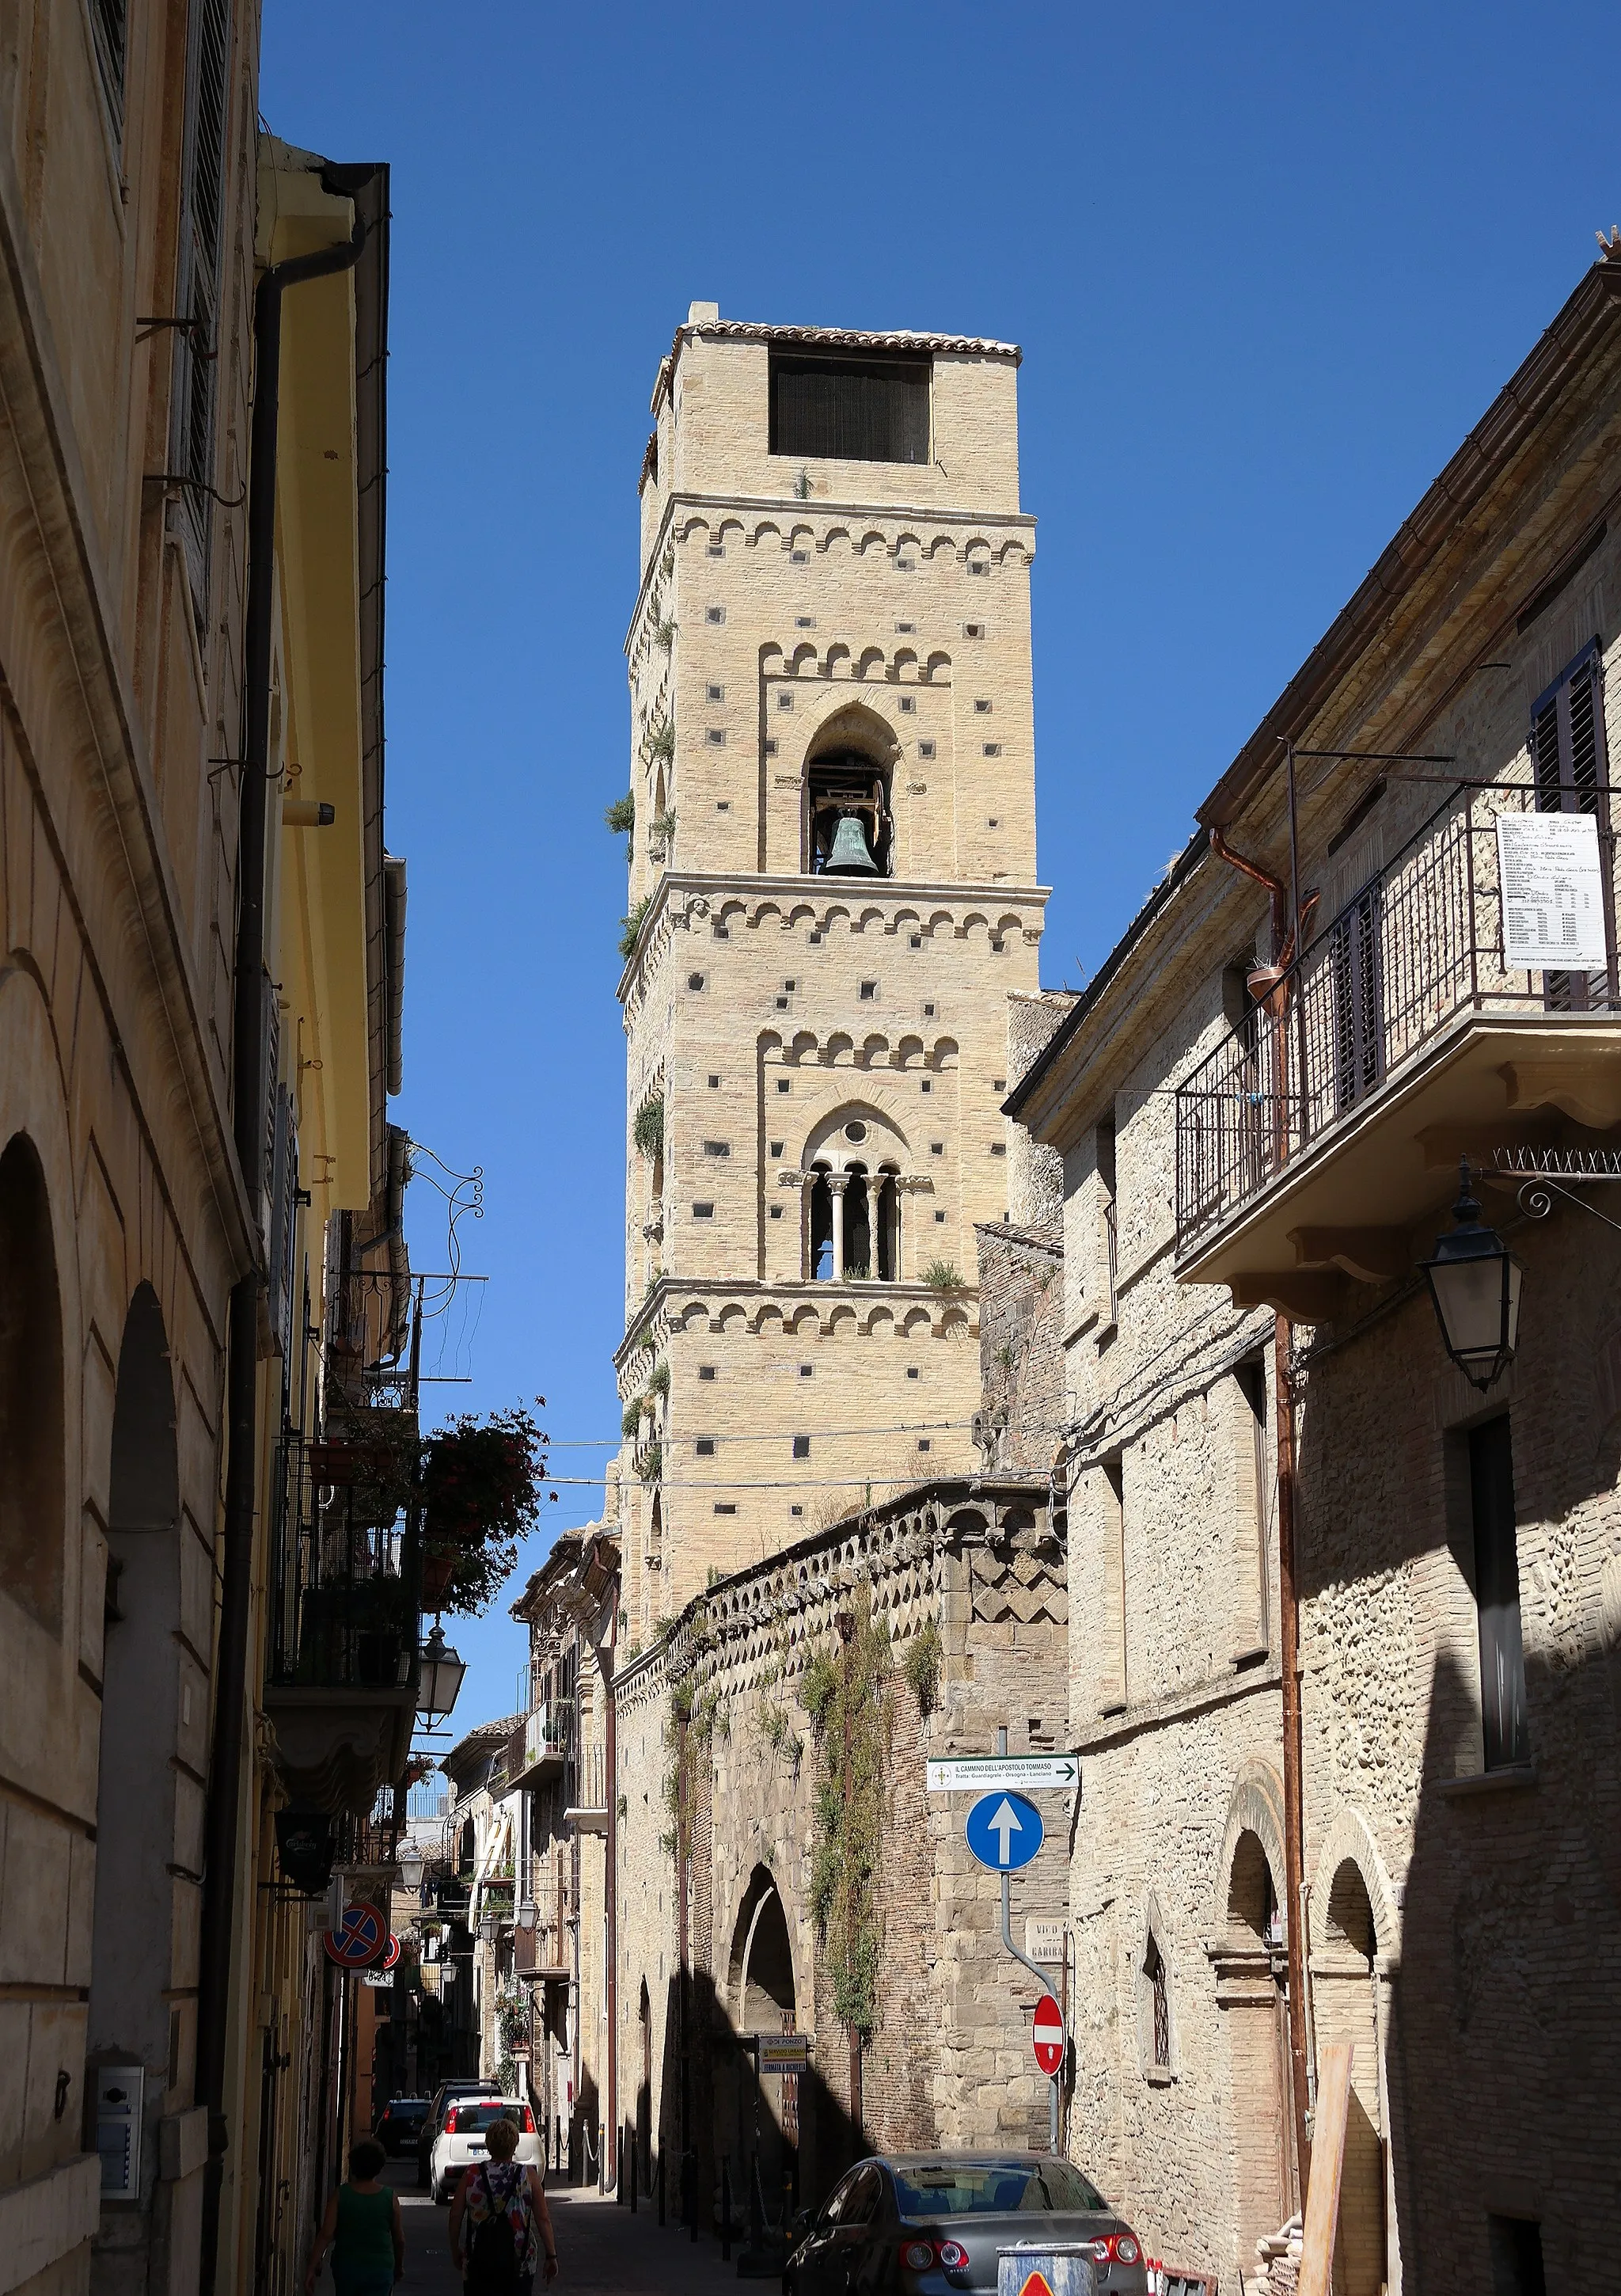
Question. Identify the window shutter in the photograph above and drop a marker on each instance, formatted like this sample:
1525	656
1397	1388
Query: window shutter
1356	969
1569	766
196	281
108	22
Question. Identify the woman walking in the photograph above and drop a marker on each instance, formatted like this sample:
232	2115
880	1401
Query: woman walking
504	2207
362	2227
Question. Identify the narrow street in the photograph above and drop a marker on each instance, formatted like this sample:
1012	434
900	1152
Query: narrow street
600	2247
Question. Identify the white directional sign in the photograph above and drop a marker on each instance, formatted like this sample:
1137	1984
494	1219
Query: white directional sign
984	1773
783	2053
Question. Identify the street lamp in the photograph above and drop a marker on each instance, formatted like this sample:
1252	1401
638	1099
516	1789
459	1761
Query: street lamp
1473	1281
411	1864
440	1681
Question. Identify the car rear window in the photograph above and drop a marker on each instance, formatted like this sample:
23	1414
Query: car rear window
982	2188
483	2116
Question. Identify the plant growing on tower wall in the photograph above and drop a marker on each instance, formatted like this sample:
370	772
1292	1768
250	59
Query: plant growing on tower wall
848	1695
632	923
647	1129
621	818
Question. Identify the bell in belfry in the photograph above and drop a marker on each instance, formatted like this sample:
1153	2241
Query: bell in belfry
851	856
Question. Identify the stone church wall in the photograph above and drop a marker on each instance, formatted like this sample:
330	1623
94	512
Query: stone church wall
967	1581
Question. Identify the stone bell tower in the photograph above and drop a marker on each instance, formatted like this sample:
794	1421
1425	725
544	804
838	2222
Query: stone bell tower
833	885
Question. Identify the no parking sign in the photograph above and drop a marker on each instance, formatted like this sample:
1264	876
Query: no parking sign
360	1941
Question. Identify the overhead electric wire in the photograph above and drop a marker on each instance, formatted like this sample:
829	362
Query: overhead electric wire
900	1427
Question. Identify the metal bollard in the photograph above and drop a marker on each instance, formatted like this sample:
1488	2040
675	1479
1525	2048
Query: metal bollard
662	2190
619	2173
725	2208
634	2153
689	2174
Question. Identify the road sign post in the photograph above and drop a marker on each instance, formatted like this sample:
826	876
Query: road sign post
1004	1832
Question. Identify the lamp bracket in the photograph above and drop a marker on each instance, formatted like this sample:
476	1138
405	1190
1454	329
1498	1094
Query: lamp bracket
1535	1199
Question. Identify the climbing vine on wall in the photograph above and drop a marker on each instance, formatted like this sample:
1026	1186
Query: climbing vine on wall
848	1695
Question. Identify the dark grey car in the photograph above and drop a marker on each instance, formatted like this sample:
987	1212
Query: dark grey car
930	2224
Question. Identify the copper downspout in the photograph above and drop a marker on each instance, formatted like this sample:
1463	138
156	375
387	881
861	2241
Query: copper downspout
1268	986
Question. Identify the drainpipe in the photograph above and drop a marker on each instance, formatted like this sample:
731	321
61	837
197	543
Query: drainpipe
223	1815
610	1908
1294	1819
1265	985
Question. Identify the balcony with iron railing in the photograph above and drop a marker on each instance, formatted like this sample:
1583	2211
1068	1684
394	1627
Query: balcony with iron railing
586	1808
548	1741
1318	1140
341	1660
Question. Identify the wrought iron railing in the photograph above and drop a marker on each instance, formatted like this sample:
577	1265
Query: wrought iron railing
347	1567
587	1784
371	1841
1420	944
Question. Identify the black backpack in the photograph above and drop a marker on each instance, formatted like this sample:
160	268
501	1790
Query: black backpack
492	2256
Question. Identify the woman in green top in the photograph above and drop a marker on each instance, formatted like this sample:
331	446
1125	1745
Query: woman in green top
362	2227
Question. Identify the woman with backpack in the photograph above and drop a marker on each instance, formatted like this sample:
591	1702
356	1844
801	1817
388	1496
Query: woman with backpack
504	2207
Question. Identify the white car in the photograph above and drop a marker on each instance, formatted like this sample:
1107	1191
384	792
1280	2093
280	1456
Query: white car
460	2142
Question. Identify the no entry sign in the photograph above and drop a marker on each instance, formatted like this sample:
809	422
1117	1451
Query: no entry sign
1047	2035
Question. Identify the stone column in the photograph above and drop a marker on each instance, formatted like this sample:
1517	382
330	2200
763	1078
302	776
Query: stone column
836	1183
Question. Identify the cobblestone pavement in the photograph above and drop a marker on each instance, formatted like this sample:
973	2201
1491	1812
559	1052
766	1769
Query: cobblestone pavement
600	2247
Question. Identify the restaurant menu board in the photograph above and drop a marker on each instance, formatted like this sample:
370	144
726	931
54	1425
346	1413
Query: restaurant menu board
1552	891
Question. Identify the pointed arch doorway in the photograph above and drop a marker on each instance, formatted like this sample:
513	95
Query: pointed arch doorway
767	2138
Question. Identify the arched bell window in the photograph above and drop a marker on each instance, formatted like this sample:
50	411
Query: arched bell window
853	1228
849	831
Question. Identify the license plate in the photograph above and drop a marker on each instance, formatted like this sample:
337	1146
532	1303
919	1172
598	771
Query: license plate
475	2148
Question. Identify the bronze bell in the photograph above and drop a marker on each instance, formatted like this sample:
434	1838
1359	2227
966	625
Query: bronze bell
851	856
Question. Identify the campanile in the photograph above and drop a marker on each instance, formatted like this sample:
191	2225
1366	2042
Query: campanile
832	893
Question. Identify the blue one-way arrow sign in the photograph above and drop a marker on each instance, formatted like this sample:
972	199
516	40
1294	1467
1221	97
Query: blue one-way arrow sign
1004	1832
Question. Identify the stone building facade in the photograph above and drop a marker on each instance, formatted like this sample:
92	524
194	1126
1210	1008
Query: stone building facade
194	987
571	1606
951	1596
1260	1147
830	643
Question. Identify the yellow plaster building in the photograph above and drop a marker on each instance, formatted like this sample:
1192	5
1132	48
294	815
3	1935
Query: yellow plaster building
833	896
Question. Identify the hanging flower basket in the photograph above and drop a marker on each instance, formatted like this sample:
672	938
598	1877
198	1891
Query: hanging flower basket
481	1494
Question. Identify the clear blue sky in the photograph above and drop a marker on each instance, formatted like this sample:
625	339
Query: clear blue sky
1268	265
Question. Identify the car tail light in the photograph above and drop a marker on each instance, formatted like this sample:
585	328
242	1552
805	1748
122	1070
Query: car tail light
923	2255
450	2122
1116	2248
528	2121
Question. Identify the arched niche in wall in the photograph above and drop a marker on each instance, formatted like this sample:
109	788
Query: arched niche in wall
32	1485
145	1720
